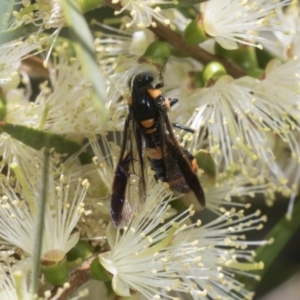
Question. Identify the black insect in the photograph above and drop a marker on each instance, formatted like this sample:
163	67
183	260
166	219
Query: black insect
148	129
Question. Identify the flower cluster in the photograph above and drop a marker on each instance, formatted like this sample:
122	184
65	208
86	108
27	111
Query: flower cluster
101	194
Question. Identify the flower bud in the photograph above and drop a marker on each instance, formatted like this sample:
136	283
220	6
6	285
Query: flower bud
206	162
81	250
99	272
211	72
54	267
157	53
194	33
244	56
263	57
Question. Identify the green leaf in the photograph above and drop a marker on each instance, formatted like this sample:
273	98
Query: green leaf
84	45
38	241
37	139
16	33
279	236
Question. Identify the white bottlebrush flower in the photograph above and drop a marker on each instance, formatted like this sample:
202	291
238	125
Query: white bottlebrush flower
19	208
234	21
114	45
285	33
237	133
19	111
142	11
93	222
44	14
106	157
240	185
13	151
11	54
156	257
280	87
68	107
15	284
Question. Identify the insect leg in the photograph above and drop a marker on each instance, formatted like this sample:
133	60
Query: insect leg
161	78
173	101
177	125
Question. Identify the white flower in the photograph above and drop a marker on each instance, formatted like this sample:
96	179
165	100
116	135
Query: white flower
114	45
234	21
142	11
18	213
280	87
13	151
11	54
285	33
156	255
240	185
69	108
236	126
14	283
44	13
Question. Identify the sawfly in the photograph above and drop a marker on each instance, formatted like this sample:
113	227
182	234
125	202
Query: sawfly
149	136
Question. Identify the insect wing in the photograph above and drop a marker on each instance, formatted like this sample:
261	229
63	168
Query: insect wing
129	184
178	162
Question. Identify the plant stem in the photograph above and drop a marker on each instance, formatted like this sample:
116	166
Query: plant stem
76	279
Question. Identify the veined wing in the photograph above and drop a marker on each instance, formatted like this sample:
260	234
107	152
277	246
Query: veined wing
129	184
179	163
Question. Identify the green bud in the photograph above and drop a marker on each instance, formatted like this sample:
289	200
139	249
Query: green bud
194	33
244	56
2	106
206	162
263	57
98	271
54	267
81	250
156	54
212	71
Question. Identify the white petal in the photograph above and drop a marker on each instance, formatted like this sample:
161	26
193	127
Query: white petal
139	43
227	43
111	234
273	65
120	287
107	263
72	241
